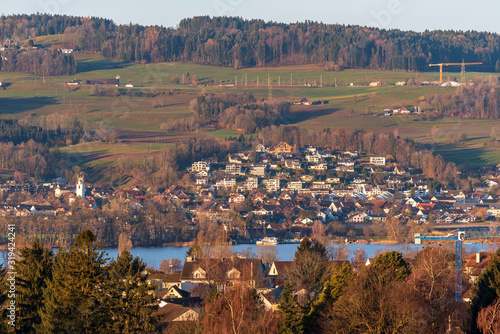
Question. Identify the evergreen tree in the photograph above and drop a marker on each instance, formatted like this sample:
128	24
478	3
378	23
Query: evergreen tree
34	269
497	66
487	289
391	266
76	300
341	277
292	322
310	269
130	296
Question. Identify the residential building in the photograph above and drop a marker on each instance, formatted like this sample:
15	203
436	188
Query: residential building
233	169
283	148
258	169
295	185
379	161
226	183
272	184
199	166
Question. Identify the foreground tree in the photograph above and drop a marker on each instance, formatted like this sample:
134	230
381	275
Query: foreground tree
433	283
391	266
238	310
310	268
376	301
338	282
131	302
75	300
293	314
488	319
34	270
487	289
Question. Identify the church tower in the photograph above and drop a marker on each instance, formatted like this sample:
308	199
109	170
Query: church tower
80	187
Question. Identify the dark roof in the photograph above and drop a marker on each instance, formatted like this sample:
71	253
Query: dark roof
220	267
172	278
157	275
182	293
170	312
281	266
191	302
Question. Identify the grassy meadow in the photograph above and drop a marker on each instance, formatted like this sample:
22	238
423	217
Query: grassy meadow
138	119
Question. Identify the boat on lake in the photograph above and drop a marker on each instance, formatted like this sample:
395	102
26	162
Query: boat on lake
267	241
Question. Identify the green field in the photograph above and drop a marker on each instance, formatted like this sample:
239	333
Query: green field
139	119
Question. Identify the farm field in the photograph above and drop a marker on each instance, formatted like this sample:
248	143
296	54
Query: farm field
138	116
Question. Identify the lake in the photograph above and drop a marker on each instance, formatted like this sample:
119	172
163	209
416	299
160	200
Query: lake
154	255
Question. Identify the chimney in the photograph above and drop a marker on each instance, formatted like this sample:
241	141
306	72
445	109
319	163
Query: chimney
478	257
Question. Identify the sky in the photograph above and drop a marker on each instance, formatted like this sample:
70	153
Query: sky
417	15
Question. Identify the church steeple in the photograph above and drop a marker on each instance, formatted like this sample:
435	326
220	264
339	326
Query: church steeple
80	187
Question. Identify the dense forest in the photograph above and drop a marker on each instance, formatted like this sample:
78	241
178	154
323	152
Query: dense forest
76	291
13	131
235	42
239	111
40	62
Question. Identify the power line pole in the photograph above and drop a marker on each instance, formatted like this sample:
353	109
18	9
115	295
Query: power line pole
463	71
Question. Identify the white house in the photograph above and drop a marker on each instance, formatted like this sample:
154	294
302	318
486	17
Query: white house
379	161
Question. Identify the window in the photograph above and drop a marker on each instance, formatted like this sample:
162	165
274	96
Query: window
232	274
200	273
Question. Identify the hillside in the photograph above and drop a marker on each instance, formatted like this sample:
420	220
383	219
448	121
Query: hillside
238	43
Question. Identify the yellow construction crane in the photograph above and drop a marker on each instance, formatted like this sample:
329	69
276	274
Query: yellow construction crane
452	64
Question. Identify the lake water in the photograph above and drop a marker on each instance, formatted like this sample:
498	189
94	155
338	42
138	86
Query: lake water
153	256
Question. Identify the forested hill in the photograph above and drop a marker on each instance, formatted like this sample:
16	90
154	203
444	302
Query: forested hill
235	42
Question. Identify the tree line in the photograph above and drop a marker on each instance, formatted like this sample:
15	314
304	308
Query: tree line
78	291
12	130
478	100
40	62
236	42
239	111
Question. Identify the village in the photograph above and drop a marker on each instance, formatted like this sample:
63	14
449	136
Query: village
283	192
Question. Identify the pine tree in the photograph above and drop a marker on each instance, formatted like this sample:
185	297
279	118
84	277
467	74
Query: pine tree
131	300
34	269
76	300
391	266
341	278
293	322
311	268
